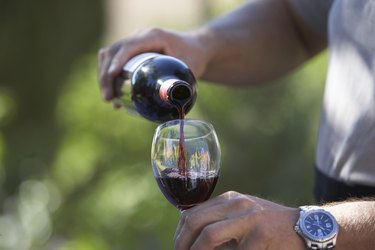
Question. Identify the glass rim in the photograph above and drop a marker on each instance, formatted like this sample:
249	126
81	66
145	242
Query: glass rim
211	129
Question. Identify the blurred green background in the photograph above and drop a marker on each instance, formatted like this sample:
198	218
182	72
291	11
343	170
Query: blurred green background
76	175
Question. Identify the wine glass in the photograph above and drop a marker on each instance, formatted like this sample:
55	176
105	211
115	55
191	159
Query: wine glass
185	158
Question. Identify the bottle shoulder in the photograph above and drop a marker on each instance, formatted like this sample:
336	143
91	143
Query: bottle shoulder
164	67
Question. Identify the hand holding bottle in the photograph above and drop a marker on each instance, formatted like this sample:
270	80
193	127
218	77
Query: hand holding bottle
155	86
185	46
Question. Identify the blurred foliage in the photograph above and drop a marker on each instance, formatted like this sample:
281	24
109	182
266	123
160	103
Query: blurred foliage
76	174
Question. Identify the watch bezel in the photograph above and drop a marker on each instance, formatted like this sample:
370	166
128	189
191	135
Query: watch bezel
314	238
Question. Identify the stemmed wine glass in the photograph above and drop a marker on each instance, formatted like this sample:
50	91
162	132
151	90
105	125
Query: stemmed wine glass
185	158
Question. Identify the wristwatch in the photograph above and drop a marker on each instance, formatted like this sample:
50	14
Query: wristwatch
317	227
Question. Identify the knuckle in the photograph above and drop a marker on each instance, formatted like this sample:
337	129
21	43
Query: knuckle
102	51
107	52
209	234
101	55
242	202
191	222
110	50
230	195
156	32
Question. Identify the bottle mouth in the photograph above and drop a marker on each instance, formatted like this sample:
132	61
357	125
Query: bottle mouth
180	92
176	92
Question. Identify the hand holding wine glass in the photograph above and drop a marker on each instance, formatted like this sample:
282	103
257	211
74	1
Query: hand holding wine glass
186	161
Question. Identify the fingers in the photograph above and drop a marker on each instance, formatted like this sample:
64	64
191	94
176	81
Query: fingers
219	200
118	61
247	222
105	56
112	59
217	234
202	222
191	224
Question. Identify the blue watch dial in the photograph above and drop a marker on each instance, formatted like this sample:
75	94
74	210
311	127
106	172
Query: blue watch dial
319	224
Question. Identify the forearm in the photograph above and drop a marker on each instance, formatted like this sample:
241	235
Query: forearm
356	224
255	43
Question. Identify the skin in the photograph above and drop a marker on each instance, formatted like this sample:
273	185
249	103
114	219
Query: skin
245	221
238	221
254	44
356	220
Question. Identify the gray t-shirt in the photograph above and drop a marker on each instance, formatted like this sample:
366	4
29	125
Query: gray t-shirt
346	141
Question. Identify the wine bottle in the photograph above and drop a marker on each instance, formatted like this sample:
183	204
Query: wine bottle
156	86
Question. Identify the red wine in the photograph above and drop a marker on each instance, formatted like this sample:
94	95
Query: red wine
185	191
181	147
184	185
153	84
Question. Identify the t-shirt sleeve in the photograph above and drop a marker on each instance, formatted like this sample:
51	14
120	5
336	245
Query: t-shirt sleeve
314	13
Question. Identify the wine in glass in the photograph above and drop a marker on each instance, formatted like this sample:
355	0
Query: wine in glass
185	159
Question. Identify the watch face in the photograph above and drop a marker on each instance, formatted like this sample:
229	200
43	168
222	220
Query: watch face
319	226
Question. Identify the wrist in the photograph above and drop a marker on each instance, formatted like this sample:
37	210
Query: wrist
209	45
356	224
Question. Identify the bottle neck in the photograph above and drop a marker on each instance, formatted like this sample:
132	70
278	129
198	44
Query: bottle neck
176	92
